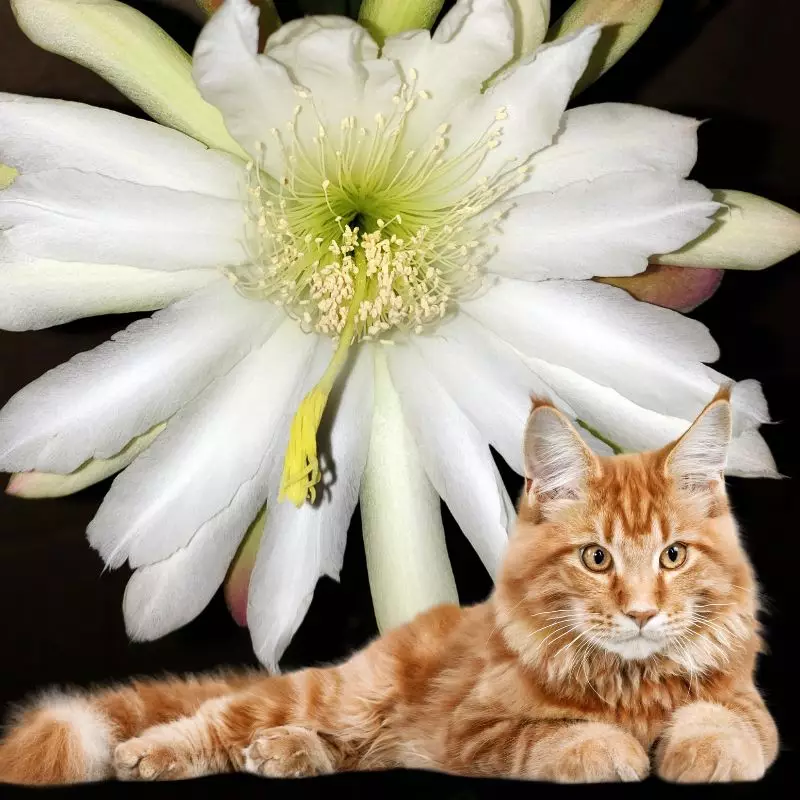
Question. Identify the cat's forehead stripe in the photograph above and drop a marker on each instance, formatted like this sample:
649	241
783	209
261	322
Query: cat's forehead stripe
629	501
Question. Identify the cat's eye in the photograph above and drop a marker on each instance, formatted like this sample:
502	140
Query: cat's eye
596	558
673	556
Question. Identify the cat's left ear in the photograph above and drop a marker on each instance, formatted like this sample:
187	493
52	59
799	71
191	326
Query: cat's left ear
697	459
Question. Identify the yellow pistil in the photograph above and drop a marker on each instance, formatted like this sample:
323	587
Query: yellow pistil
301	472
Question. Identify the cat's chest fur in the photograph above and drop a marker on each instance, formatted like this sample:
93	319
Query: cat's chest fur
464	674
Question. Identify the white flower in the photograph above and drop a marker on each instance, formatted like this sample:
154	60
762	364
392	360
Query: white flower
394	222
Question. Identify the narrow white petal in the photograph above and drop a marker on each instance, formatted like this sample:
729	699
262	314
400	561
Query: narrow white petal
409	571
132	53
456	457
749	232
531	20
253	92
70	215
530	98
634	427
210	449
167	595
614	137
471	43
299	545
38	135
41	293
93	405
51	484
749	457
649	354
488	381
606	226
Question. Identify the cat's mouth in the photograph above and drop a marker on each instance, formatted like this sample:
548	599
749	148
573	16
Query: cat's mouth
636	646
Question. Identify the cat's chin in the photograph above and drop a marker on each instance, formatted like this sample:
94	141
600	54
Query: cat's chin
636	648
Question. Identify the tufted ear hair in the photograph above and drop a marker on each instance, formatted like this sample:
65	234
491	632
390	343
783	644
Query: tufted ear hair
557	460
697	460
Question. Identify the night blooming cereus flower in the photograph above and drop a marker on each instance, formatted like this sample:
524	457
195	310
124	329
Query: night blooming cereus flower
360	291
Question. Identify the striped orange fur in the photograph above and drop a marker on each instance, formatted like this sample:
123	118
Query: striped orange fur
577	668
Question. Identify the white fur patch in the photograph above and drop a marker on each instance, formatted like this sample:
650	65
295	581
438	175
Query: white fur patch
89	726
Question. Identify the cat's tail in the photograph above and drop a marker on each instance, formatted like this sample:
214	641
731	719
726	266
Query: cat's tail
70	737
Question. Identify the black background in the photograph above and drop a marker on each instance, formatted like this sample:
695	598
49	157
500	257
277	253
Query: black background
731	61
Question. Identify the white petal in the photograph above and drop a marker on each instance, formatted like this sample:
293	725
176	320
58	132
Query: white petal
636	428
167	595
93	405
532	96
488	380
253	92
211	448
614	137
606	226
71	215
456	457
51	484
38	135
749	457
471	43
649	354
337	60
300	545
409	571
38	294
531	20
132	53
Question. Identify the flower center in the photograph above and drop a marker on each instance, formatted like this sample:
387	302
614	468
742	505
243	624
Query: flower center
365	235
362	190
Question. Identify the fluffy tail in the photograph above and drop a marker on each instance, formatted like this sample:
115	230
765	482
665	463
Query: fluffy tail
70	737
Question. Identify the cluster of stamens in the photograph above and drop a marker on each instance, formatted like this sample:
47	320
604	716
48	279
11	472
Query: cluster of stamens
406	210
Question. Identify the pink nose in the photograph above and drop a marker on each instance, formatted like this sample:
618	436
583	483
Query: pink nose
641	617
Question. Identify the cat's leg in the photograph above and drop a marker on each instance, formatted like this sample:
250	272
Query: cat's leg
69	737
269	729
552	750
732	740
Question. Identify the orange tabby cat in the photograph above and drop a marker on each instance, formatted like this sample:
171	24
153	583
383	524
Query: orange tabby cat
624	617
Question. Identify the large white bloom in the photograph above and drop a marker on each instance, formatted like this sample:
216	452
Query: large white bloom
401	234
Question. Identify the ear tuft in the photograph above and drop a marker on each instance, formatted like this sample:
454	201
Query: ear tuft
697	459
540	401
557	461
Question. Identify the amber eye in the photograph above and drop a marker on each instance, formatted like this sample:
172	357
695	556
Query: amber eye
596	558
673	556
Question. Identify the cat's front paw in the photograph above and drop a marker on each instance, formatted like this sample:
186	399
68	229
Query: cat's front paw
708	743
289	751
595	753
159	754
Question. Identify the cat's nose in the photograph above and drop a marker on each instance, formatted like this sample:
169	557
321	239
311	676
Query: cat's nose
642	617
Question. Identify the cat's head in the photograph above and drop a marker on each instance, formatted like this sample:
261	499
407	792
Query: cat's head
635	555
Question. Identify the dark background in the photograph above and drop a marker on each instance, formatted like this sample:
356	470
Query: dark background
731	61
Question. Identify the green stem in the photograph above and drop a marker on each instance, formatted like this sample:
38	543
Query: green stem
597	435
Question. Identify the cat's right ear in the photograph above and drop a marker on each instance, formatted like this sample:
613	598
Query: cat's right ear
557	461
